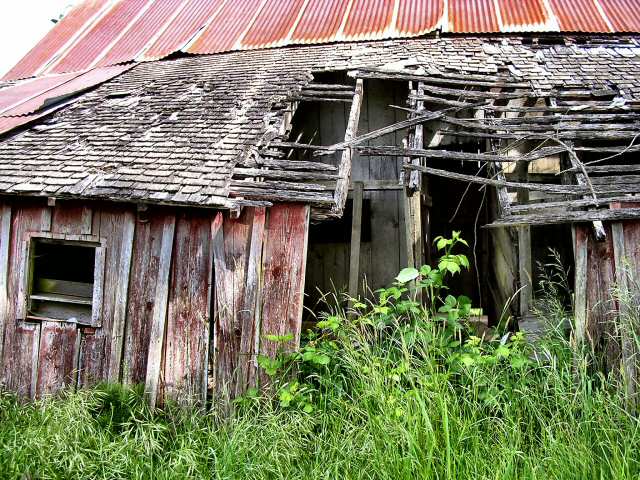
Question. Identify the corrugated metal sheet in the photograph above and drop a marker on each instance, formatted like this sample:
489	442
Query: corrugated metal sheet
368	19
72	23
579	16
624	15
523	15
273	23
212	26
193	16
321	21
221	36
141	32
14	95
473	16
416	17
65	86
72	86
92	45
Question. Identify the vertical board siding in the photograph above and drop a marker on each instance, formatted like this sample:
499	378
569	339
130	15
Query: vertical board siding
142	289
57	358
5	239
96	348
231	251
284	263
187	335
21	339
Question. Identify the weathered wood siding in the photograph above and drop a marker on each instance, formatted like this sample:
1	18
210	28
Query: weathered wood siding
185	296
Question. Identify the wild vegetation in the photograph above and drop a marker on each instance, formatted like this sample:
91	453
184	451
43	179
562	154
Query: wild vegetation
389	389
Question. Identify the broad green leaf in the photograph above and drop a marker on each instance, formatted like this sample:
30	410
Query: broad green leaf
407	274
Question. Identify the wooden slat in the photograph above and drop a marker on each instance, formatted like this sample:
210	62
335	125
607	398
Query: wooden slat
5	239
122	295
142	290
567	217
57	358
356	234
187	330
285	252
344	168
159	312
581	272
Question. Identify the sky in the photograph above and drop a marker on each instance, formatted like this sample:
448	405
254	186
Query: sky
23	23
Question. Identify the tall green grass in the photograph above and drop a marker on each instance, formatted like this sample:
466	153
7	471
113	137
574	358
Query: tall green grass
392	392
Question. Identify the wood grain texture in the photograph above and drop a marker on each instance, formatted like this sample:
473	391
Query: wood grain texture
5	239
142	289
158	325
284	262
21	339
57	358
187	334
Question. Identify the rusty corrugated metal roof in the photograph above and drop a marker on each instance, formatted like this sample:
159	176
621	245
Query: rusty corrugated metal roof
141	32
90	47
46	49
35	98
129	30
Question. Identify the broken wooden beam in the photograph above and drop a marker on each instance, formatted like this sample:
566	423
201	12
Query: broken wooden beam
451	155
567	217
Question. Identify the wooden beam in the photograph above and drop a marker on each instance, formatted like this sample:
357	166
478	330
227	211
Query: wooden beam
5	240
356	234
581	276
567	217
628	351
344	169
461	156
159	318
122	294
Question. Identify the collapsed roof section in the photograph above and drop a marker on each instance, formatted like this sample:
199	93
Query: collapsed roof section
209	131
107	32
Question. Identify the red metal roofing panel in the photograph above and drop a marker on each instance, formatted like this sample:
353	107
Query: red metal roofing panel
624	15
368	19
320	21
273	23
222	34
141	32
578	16
88	48
472	16
520	14
58	36
194	15
23	91
73	86
418	16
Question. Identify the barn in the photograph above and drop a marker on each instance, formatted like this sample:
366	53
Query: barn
182	178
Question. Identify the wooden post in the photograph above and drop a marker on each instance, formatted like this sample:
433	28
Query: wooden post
159	319
5	231
344	168
628	351
120	311
524	249
356	234
581	274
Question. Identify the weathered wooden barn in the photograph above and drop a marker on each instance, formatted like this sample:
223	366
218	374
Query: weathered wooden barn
180	178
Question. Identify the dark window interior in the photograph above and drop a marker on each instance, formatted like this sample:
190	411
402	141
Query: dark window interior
339	230
61	285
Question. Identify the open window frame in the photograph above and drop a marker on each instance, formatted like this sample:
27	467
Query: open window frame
26	295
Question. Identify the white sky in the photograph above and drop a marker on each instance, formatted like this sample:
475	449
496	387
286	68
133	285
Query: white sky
23	23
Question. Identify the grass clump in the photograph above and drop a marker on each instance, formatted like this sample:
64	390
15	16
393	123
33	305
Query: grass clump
390	390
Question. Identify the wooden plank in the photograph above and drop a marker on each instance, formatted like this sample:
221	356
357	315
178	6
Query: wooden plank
344	168
57	358
284	261
581	271
71	218
187	324
566	217
122	295
158	325
249	314
20	346
142	289
5	240
356	234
